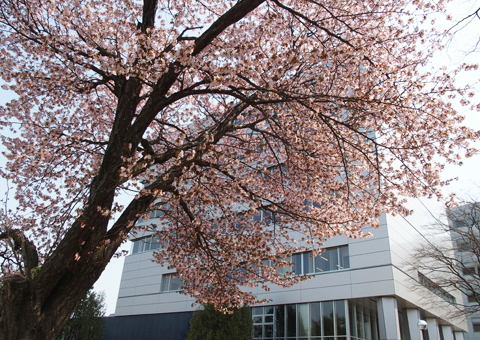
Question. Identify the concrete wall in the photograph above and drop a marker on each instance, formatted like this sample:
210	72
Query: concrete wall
377	268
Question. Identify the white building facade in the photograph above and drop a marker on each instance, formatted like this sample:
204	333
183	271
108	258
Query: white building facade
358	289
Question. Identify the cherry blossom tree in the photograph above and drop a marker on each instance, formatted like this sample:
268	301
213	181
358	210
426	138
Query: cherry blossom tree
316	115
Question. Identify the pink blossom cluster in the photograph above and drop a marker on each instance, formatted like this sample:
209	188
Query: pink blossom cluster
320	114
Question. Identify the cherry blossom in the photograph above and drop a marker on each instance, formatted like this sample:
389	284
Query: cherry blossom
317	115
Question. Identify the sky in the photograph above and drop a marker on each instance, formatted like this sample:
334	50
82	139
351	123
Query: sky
458	50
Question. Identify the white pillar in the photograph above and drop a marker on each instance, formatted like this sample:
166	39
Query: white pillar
447	333
388	323
433	330
413	316
459	336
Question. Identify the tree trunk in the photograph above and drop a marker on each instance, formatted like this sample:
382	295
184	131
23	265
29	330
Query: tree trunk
26	313
39	306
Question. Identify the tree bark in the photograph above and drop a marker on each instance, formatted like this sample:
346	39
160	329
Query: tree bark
40	306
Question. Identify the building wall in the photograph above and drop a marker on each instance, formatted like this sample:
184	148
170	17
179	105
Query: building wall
405	235
378	268
471	217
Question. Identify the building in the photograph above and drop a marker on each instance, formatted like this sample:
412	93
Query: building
464	225
359	289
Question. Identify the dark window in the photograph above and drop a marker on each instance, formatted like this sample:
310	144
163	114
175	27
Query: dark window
340	317
327	309
473	298
325	320
459	224
279	321
468	271
463	246
171	283
330	259
435	288
145	244
291	320
315	321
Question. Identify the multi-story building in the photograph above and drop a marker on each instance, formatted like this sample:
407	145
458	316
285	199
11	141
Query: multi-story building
464	226
358	289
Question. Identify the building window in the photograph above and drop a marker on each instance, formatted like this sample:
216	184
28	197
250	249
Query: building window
335	258
469	271
459	223
473	298
464	246
263	322
154	213
330	259
266	215
171	283
435	288
325	320
476	325
145	244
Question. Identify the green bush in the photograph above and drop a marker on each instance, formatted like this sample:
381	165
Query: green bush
209	324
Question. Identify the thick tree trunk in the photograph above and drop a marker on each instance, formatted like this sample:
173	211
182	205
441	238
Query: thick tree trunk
40	306
26	313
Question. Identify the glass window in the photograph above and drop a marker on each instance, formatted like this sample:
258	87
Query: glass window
257	331
302	319
145	244
468	271
344	258
136	245
279	321
283	271
170	283
327	313
373	323
459	224
340	317
351	315
476	325
257	310
291	311
308	263
155	243
303	263
366	323
359	319
463	246
268	331
315	322
165	283
297	263
473	298
175	283
327	260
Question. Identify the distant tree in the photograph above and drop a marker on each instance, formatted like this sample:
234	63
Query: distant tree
453	262
209	324
86	322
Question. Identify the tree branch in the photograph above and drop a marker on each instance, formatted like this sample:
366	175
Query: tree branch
29	251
